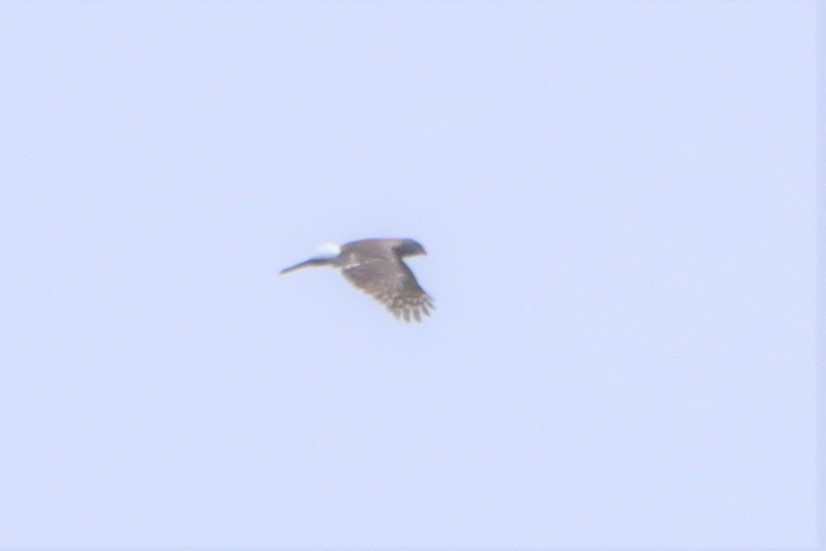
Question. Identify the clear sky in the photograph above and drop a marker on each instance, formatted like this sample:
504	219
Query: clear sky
618	201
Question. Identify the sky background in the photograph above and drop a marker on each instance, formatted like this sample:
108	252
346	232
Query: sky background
618	201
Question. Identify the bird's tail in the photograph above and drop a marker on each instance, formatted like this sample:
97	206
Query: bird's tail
306	263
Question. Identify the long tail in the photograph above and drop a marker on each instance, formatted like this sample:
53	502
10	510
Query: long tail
311	262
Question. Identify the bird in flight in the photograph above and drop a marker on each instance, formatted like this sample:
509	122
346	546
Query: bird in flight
376	267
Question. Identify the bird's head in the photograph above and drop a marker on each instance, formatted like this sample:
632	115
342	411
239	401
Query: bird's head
409	247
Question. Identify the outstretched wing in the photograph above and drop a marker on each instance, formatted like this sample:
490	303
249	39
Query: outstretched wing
391	282
312	262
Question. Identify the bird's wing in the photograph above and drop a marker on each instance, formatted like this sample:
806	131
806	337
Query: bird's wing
319	261
391	282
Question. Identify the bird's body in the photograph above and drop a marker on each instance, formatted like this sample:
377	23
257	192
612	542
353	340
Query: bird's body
375	266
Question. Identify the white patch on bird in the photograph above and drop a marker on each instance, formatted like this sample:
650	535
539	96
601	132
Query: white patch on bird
329	250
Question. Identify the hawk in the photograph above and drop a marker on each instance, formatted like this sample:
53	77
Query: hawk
375	266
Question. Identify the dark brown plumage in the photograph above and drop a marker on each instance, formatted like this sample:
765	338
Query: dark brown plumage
375	266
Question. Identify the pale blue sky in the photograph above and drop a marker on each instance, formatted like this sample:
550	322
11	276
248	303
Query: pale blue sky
618	200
